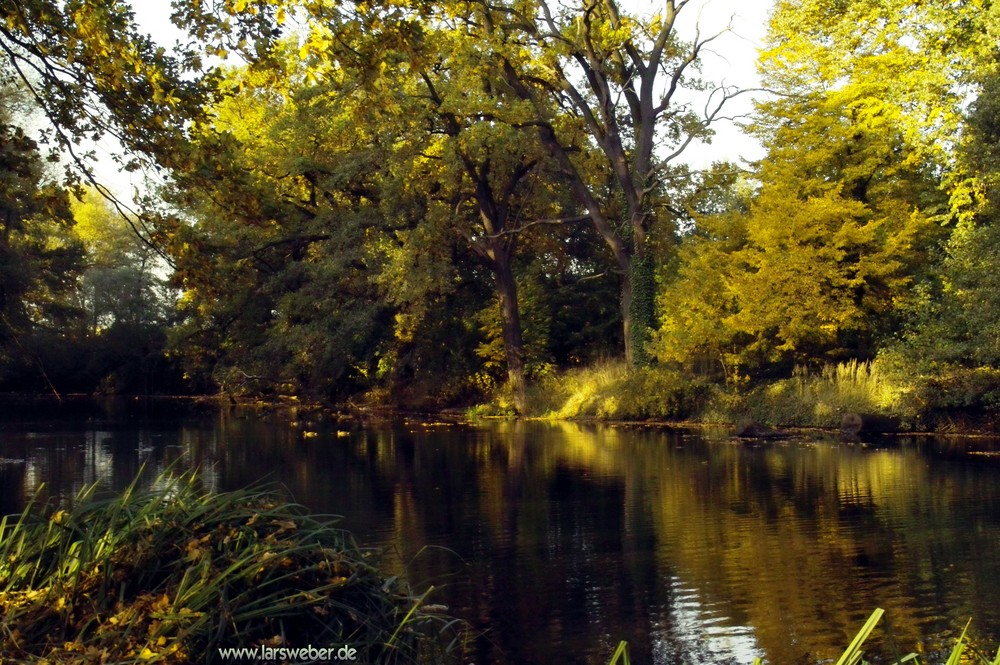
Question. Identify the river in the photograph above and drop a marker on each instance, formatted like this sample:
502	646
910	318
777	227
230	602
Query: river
556	540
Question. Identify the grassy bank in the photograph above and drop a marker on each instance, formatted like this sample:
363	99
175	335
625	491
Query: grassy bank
610	391
815	399
607	391
173	574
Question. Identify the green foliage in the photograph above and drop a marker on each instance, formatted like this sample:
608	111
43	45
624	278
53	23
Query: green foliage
896	63
123	282
94	75
536	326
40	259
626	101
128	306
642	318
697	300
820	263
950	352
278	290
171	574
344	210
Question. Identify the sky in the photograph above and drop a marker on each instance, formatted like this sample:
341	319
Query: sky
731	60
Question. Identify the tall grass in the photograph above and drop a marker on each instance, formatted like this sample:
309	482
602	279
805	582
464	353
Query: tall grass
609	390
811	398
593	391
171	576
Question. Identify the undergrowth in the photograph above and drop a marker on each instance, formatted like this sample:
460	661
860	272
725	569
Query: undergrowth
609	390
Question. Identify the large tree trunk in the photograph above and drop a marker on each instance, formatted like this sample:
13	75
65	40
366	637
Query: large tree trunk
638	295
510	321
621	95
635	322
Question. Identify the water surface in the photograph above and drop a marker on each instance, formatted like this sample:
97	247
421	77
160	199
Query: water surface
555	541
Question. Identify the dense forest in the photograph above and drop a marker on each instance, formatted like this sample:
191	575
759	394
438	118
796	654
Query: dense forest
439	204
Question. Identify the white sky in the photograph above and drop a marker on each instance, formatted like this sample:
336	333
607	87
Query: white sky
731	60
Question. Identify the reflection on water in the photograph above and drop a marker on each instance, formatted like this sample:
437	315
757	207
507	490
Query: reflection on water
555	541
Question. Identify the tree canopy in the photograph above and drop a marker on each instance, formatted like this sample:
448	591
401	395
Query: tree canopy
414	199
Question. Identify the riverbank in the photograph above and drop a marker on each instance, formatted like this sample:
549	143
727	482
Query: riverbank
852	396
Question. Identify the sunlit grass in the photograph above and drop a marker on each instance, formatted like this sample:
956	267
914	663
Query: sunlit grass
814	398
848	386
620	656
587	391
171	575
609	390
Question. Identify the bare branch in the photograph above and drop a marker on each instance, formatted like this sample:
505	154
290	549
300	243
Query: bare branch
538	222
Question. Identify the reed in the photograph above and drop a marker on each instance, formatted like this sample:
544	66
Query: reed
610	390
815	398
174	574
963	651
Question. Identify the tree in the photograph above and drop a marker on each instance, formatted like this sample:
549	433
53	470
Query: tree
277	285
40	260
907	64
123	283
824	261
949	352
621	81
464	124
696	298
127	304
93	75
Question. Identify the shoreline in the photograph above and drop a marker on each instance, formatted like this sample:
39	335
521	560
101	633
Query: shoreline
293	408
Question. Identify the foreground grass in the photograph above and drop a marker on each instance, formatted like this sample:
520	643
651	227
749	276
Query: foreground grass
963	652
173	575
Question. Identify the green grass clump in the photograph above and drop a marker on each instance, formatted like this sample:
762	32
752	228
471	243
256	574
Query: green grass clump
609	390
814	399
172	575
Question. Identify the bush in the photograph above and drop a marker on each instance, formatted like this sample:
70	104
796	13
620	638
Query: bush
172	575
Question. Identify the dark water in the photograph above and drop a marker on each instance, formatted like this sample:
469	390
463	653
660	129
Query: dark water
555	541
